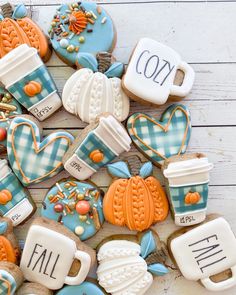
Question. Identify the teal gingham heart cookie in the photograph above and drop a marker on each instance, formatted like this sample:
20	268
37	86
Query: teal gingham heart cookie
31	159
159	140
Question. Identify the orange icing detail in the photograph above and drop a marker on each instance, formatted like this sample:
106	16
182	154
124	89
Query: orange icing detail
78	22
7	252
32	88
5	196
36	37
11	36
96	156
192	198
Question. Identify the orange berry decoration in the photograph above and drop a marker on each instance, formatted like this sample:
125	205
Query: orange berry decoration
192	198
82	207
96	156
3	133
32	88
5	196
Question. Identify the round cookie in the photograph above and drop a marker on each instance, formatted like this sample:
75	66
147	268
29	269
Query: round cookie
33	288
77	205
84	288
81	27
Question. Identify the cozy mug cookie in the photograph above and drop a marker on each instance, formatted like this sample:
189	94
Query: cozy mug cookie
81	27
33	289
187	181
160	139
99	144
34	160
11	277
135	198
96	89
206	253
82	289
16	29
151	72
77	205
54	256
128	263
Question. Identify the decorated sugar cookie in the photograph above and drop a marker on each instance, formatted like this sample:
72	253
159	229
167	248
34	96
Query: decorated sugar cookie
98	145
159	140
96	89
127	264
54	256
81	27
187	179
206	253
16	29
151	73
84	288
34	160
135	198
11	278
33	289
28	80
9	246
77	205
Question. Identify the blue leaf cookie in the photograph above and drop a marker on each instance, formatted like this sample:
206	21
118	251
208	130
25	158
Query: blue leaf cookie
86	288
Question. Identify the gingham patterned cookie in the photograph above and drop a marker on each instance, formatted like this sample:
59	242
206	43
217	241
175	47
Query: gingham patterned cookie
31	159
11	277
159	140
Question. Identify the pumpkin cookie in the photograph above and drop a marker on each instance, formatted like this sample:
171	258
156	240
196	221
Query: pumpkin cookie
187	179
136	199
16	29
81	27
11	277
127	263
96	89
9	246
77	205
33	289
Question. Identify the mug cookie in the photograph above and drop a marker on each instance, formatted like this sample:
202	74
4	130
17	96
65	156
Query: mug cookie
11	278
99	144
28	80
16	29
15	201
137	199
77	205
96	89
81	27
206	253
33	289
151	72
159	140
127	263
9	246
31	159
54	256
187	179
83	289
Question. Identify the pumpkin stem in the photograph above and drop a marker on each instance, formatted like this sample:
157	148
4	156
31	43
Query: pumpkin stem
104	61
134	163
159	256
7	10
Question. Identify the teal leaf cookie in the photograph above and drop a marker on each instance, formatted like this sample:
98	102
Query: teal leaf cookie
146	170
148	244
158	269
119	169
3	227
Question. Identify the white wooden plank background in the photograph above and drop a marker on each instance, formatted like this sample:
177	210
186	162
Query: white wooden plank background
203	32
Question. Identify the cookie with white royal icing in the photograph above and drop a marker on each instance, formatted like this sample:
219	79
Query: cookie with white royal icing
187	181
83	289
77	205
33	289
127	264
99	144
96	89
151	73
81	27
206	253
34	160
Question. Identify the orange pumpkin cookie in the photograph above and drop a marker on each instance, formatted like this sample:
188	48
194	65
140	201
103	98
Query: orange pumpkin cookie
136	201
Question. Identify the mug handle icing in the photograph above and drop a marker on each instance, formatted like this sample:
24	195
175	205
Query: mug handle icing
223	285
85	261
188	80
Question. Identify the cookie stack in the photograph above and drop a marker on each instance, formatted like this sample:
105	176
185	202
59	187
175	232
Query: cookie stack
54	258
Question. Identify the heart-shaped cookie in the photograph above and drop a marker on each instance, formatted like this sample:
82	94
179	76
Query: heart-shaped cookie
31	159
159	140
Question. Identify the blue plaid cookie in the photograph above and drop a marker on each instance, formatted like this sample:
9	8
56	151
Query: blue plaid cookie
31	159
159	140
7	283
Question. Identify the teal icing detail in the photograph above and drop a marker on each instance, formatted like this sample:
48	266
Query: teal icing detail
115	70
3	227
148	244
4	287
1	17
158	269
146	170
87	60
19	12
119	169
82	289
